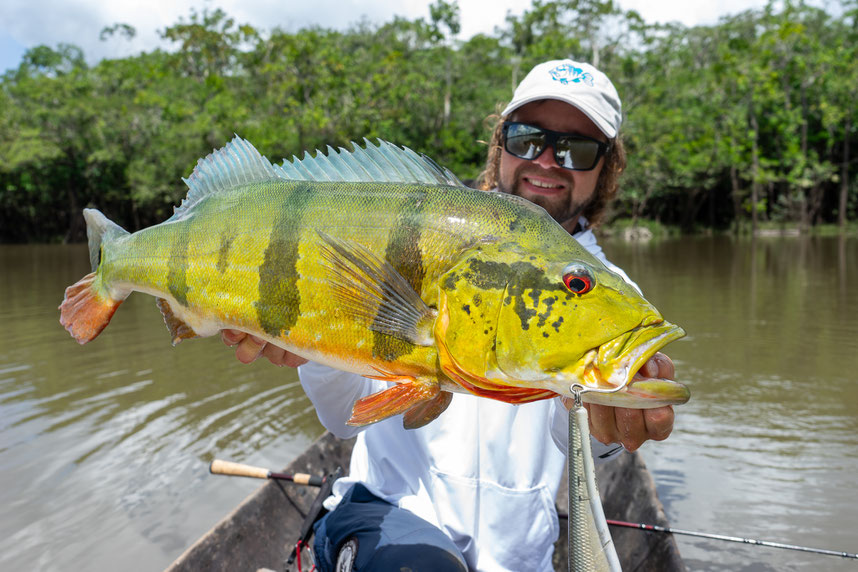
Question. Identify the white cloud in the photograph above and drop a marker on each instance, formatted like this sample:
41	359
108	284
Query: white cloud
28	23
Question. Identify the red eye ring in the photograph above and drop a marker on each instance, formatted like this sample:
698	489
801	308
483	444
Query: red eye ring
578	280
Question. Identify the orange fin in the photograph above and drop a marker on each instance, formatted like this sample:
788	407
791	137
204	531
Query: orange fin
84	312
392	401
179	330
426	411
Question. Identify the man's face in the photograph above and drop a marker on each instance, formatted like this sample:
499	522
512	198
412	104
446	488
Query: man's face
561	192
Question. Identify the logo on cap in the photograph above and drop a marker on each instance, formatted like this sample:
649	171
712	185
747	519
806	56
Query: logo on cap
567	73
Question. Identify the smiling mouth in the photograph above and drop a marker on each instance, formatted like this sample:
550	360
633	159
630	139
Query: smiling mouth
541	186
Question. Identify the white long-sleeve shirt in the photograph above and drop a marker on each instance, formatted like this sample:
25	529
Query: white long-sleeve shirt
485	472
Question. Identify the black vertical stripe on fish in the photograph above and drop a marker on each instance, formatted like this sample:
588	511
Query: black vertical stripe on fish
177	267
403	253
279	303
223	252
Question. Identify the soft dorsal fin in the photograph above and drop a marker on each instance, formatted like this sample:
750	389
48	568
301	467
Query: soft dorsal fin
239	163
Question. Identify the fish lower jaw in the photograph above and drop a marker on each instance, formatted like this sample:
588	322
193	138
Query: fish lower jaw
593	377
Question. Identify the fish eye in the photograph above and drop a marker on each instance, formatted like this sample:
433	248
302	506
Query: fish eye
578	279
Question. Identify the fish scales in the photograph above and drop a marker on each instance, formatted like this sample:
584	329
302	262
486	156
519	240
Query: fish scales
423	282
273	260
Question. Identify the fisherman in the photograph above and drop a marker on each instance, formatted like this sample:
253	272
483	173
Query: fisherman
475	489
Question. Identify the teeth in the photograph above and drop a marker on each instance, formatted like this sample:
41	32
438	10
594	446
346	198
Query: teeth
542	185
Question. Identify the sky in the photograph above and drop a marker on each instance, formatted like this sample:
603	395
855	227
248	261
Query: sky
28	23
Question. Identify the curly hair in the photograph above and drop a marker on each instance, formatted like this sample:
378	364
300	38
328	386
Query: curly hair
606	186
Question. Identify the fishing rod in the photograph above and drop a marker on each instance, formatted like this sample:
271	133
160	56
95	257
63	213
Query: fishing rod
656	528
220	467
671	530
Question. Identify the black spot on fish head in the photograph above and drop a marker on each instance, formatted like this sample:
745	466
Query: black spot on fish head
451	281
535	294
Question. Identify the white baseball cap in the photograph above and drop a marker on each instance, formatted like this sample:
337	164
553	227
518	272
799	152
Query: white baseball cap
578	84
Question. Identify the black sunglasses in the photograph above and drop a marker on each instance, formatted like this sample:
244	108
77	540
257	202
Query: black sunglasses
571	151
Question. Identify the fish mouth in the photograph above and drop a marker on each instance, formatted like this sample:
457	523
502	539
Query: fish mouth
608	377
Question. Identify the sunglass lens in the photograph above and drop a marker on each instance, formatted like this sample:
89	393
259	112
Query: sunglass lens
576	153
524	142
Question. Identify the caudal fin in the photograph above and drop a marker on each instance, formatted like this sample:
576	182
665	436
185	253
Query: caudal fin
87	308
84	313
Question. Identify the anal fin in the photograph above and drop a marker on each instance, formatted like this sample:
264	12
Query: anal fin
179	330
426	411
398	399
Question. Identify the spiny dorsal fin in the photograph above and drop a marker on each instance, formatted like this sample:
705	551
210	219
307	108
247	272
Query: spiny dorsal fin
239	163
384	162
236	164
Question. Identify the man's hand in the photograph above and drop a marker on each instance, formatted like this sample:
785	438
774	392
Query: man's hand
632	427
248	348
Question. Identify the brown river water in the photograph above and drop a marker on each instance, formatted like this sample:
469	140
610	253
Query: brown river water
104	448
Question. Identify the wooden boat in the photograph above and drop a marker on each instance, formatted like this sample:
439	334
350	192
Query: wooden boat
261	532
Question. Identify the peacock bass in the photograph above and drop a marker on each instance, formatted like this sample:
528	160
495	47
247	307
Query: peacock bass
379	262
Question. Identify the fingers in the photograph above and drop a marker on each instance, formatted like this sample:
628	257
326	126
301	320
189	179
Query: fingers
249	348
280	357
603	423
618	425
232	337
630	427
659	422
659	366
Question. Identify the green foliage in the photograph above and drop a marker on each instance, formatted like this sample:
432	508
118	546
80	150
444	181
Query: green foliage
751	121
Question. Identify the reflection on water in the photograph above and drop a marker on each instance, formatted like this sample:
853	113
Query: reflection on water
768	446
104	448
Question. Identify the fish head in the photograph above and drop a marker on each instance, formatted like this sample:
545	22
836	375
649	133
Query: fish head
527	324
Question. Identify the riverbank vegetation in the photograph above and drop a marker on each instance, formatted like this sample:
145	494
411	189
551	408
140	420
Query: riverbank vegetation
746	123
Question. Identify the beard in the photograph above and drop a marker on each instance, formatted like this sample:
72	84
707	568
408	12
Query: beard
562	208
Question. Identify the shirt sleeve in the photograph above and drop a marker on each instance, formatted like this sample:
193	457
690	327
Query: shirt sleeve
334	393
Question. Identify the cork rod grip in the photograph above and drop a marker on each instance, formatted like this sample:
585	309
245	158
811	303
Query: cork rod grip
219	467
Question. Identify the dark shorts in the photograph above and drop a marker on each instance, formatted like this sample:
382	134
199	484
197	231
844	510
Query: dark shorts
382	536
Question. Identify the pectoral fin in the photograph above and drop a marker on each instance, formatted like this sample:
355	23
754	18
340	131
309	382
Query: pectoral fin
407	393
372	290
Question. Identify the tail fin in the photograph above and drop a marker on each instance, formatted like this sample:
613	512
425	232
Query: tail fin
84	311
87	307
